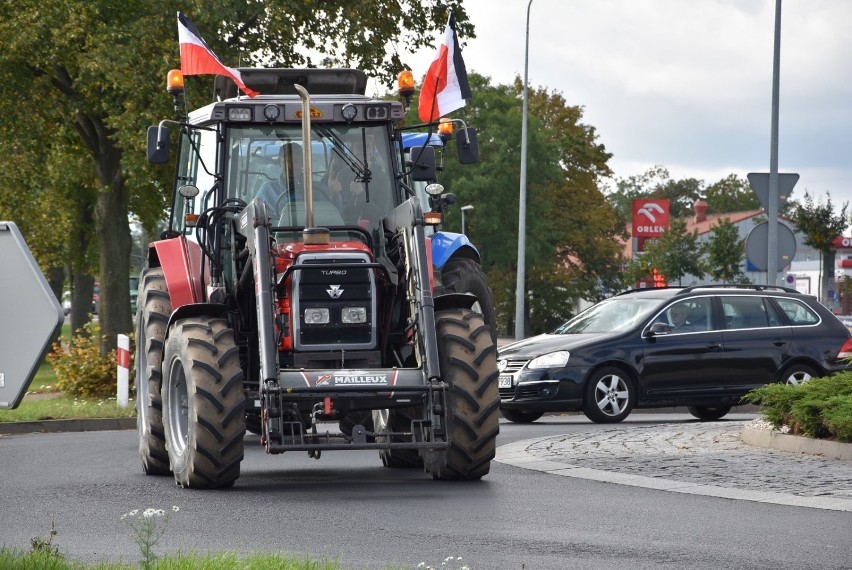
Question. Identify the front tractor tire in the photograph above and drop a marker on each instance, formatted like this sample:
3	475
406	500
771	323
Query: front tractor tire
396	420
203	403
466	276
152	317
468	360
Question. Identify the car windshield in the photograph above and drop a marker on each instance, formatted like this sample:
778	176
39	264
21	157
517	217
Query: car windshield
612	315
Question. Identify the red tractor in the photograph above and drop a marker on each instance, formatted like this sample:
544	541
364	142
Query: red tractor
292	292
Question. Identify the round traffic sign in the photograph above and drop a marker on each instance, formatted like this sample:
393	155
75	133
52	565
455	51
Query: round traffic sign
757	246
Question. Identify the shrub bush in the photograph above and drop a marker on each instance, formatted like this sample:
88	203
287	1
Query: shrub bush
81	370
838	417
821	408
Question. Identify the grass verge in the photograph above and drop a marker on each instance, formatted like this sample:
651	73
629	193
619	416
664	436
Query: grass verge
58	406
43	402
11	559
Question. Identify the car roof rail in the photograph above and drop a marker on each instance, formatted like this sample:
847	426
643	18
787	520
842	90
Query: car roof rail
646	289
754	286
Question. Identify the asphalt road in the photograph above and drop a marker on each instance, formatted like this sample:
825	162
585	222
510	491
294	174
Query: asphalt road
346	506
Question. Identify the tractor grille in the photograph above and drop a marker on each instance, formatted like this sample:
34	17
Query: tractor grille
334	307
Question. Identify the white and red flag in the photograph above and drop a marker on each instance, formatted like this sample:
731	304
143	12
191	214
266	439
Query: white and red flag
445	86
196	57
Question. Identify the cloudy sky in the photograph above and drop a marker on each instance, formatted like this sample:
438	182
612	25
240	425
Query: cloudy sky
687	84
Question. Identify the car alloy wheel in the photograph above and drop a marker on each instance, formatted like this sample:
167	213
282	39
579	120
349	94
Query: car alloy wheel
609	396
798	374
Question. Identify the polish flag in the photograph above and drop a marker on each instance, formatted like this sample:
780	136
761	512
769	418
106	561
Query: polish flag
196	57
445	86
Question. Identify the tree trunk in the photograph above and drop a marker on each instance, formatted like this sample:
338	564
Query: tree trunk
56	279
111	228
83	287
82	269
113	233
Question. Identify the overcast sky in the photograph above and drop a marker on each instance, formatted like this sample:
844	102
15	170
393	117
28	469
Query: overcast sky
686	84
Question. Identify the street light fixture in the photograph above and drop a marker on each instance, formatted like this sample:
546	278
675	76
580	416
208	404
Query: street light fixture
522	202
463	210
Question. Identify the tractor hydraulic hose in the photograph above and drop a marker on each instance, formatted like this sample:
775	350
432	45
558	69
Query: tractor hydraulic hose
245	281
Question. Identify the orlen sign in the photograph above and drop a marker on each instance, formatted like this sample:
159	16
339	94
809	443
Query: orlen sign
842	243
650	217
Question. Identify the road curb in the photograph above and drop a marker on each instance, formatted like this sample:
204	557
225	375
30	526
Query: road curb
773	439
59	426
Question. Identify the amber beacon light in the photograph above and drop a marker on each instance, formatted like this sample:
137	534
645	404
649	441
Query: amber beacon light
174	82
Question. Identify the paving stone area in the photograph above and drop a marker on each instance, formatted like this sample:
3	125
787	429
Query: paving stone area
698	454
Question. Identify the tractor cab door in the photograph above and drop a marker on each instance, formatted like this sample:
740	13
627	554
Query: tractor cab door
196	167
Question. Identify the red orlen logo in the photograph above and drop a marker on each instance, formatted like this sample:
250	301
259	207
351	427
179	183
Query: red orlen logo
650	217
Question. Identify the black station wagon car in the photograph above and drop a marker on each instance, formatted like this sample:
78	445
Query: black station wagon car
702	347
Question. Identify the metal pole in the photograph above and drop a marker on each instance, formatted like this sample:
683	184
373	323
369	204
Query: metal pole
520	295
772	214
464	209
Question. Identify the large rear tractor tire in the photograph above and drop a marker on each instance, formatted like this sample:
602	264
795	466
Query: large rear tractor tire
468	360
152	317
396	420
203	403
466	276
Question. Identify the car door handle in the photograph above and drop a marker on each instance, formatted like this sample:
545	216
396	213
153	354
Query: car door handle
714	346
779	342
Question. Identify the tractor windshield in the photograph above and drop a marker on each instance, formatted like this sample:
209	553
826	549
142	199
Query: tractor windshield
352	173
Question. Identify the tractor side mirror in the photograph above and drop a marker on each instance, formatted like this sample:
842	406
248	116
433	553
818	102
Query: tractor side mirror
158	145
468	147
423	162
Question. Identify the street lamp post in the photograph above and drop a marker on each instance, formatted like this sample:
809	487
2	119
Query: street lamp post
522	203
463	210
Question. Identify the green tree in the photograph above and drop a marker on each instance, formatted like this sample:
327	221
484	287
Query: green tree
724	253
731	194
94	68
573	234
675	254
821	224
636	187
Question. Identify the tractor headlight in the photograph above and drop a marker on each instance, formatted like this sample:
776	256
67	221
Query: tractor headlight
239	114
316	316
353	315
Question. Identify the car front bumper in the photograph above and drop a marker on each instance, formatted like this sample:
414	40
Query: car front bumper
558	390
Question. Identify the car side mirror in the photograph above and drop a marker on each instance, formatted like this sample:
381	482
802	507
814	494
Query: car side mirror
468	147
423	164
659	329
158	145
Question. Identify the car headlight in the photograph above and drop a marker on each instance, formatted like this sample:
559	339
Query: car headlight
551	360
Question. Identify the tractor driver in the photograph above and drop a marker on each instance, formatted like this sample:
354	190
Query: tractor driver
290	185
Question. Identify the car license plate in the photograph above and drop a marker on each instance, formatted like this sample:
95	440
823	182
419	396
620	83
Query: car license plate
505	381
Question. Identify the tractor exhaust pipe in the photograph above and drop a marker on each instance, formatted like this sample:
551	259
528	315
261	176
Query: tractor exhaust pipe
310	235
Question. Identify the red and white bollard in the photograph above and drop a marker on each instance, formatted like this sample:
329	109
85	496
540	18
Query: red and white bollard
122	357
